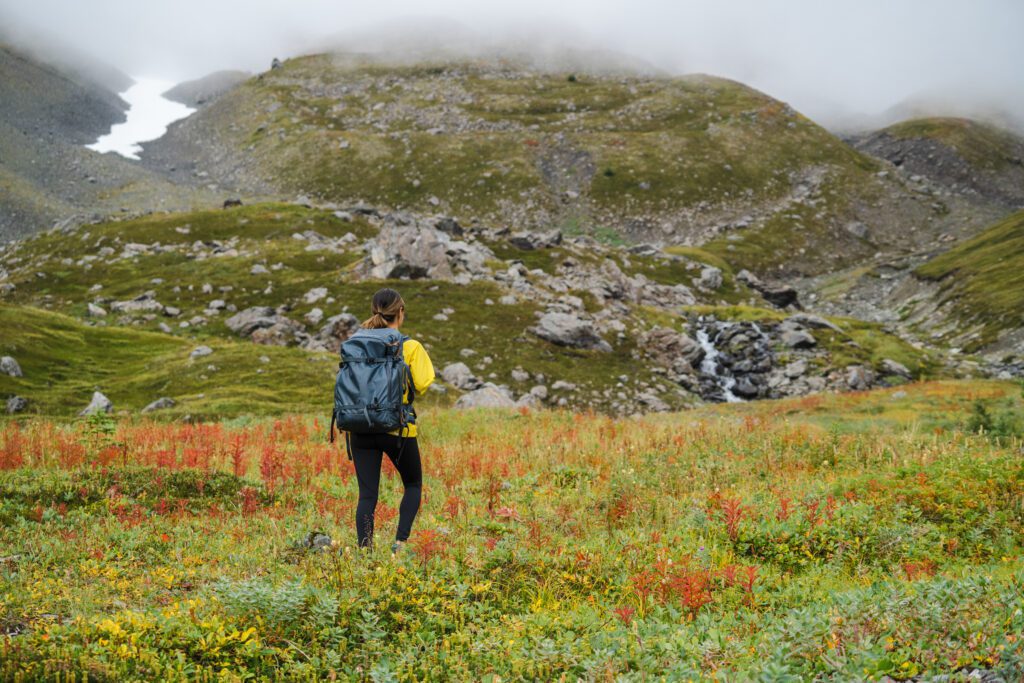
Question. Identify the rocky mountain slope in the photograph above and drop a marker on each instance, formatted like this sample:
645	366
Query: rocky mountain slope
964	157
202	91
47	114
687	161
510	317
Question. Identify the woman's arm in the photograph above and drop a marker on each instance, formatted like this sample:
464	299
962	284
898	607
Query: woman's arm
420	365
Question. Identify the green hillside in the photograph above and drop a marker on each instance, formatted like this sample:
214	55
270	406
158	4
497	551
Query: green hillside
199	268
982	279
636	157
985	146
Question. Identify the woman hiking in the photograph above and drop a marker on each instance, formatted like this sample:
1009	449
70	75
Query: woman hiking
388	310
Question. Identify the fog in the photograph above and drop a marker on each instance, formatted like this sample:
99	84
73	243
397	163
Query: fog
843	63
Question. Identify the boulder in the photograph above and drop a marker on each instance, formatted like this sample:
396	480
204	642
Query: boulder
200	352
16	404
812	321
421	251
337	329
710	278
9	366
566	329
529	241
778	295
668	347
159	404
314	295
460	376
95	311
798	339
98	404
144	303
859	378
282	333
891	367
488	396
244	323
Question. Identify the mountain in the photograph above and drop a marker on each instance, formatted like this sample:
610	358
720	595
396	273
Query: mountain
48	112
202	91
968	158
686	160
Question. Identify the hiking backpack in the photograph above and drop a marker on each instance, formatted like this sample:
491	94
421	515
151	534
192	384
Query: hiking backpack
372	378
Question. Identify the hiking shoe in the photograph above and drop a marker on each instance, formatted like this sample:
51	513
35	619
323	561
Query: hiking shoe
396	547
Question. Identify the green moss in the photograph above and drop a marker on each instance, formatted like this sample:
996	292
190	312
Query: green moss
982	279
982	145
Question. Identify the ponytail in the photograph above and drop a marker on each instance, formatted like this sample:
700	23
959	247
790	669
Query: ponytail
385	308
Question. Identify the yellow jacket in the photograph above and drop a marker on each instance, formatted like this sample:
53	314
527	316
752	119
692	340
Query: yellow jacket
422	375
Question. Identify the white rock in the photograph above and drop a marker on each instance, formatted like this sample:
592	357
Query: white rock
99	404
9	366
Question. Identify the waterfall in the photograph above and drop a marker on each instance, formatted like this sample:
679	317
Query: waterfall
709	367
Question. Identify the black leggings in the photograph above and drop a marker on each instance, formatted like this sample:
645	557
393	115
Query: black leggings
367	453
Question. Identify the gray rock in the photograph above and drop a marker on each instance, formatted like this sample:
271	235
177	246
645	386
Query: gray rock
337	329
314	295
460	376
710	278
528	400
540	391
9	366
859	378
488	396
528	241
857	229
16	404
200	352
672	349
813	321
144	303
653	402
258	269
798	339
246	322
421	251
283	332
562	385
520	375
98	404
314	316
566	329
891	367
779	295
159	404
95	311
795	369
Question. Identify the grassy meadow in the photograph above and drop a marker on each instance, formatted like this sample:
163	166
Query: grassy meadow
839	537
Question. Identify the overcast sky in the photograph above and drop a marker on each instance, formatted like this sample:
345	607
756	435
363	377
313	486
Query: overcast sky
828	58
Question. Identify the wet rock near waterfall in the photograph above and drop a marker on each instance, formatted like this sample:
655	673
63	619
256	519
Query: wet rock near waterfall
675	351
737	360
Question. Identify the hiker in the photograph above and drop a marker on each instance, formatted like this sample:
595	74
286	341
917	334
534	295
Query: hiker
400	445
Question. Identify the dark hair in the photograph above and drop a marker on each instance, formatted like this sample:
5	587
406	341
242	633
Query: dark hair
384	309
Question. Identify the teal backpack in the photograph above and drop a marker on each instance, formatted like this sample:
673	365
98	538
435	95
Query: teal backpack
372	379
